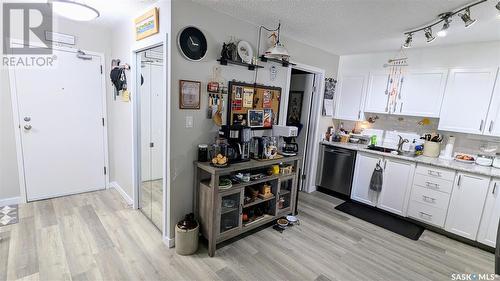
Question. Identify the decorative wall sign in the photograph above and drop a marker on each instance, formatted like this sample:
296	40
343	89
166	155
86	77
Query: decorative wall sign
189	94
256	118
147	24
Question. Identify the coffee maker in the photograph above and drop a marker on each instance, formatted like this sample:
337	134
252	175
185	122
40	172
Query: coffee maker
288	133
239	138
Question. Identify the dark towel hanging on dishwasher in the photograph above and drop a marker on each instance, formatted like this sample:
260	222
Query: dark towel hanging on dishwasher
377	178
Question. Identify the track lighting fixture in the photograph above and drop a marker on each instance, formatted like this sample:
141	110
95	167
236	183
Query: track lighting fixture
467	19
444	30
498	8
429	36
446	18
408	40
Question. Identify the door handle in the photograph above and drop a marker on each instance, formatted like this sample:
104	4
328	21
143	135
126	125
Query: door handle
494	188
481	125
27	119
385	164
459	180
401	108
27	127
491	126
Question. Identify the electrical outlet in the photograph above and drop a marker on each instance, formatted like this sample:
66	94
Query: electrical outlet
189	121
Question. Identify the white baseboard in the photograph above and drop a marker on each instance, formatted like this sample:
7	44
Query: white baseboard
170	242
120	190
11	201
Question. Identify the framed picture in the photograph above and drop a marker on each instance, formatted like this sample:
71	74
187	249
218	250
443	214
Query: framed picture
240	119
147	24
255	118
294	108
268	118
189	94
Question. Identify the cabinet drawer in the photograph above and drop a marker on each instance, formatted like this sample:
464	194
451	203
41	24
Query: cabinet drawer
426	213
433	183
435	172
430	197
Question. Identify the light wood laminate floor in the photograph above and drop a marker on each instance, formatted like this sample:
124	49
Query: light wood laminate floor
95	236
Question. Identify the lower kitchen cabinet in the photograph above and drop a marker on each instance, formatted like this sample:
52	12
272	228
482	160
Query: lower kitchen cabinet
491	214
361	192
398	177
466	205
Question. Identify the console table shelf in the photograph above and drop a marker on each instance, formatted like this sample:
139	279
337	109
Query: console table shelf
220	211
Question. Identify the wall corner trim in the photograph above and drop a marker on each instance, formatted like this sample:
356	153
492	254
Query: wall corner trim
11	201
170	242
120	190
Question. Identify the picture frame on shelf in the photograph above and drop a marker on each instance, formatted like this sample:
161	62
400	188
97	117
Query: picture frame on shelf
189	94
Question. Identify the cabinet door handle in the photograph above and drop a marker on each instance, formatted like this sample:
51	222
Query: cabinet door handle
481	125
491	126
401	108
459	180
241	209
434	173
385	164
359	114
431	184
494	188
425	216
428	199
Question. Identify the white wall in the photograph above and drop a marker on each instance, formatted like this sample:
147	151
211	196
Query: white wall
88	37
217	28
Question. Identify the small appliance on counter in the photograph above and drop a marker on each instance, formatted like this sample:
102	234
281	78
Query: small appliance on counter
289	147
239	138
264	148
484	160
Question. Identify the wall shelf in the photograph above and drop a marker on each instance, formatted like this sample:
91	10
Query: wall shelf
283	62
249	66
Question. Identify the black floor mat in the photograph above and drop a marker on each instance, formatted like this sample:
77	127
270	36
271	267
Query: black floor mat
382	219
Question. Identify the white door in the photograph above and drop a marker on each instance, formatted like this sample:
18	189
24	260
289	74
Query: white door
61	125
350	97
377	97
466	100
493	121
398	177
422	93
491	214
365	165
466	205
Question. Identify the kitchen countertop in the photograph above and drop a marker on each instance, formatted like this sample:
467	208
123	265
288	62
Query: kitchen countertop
449	164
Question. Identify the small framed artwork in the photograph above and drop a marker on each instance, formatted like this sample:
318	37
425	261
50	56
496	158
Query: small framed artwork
240	119
189	94
268	118
294	108
147	24
256	118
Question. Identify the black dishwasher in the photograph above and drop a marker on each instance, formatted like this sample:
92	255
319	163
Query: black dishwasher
336	169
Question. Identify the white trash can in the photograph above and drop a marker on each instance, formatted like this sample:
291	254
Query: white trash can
186	236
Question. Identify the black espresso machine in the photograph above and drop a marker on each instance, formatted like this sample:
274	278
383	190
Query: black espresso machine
238	138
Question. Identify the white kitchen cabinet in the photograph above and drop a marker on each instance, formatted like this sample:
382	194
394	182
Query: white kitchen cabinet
348	105
491	214
363	170
466	205
466	100
492	127
398	178
377	96
422	93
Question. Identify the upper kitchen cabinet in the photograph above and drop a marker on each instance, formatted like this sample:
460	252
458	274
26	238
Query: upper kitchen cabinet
377	96
467	99
350	97
492	127
422	93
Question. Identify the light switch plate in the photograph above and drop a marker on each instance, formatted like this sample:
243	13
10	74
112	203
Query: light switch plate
189	121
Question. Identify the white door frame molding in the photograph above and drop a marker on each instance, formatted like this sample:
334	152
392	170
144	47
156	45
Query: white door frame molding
17	120
162	40
315	114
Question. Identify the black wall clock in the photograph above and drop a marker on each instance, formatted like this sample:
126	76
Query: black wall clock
192	43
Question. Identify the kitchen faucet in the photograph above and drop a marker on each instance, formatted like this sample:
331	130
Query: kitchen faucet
401	142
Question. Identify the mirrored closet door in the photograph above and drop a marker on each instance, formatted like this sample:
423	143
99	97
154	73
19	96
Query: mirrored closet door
151	122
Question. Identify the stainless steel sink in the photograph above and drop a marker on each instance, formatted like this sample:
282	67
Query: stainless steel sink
389	150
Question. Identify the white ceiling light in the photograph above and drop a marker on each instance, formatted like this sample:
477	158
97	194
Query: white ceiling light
74	10
444	31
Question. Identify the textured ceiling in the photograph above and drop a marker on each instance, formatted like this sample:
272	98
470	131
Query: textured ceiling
357	26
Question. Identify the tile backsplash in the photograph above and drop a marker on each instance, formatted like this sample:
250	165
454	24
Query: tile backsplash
465	143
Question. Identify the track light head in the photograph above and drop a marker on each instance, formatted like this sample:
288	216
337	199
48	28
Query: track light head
498	8
444	30
408	40
429	36
468	21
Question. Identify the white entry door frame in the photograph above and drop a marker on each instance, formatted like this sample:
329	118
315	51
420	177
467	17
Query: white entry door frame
17	118
313	137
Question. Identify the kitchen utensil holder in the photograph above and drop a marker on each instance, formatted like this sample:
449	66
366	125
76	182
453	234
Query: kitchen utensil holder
432	149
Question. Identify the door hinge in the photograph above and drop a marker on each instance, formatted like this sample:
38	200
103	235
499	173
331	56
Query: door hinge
105	170
101	68
303	177
151	144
